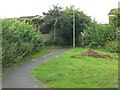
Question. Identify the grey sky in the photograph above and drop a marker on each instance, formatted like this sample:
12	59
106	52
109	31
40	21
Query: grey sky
97	9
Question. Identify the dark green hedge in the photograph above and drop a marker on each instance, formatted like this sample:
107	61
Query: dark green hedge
19	39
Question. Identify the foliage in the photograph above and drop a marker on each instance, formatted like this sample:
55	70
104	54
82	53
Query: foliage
59	22
55	21
96	35
66	71
82	21
19	39
0	45
112	46
115	19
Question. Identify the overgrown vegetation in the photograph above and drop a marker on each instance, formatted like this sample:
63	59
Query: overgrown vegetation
103	36
19	39
96	35
115	17
57	22
70	70
22	37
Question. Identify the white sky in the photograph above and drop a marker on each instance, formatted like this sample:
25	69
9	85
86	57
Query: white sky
97	9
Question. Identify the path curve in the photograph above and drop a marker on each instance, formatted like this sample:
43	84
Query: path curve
20	76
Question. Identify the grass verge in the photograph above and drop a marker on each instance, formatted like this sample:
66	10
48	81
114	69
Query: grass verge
68	71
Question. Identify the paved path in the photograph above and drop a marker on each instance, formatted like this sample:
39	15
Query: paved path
20	76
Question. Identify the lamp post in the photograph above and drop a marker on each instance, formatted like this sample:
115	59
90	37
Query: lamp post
73	28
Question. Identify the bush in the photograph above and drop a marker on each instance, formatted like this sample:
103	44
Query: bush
112	46
98	34
19	39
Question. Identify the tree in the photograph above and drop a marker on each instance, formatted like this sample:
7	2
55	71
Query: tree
59	22
52	20
82	21
115	18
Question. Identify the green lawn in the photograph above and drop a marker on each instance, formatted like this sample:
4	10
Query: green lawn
70	70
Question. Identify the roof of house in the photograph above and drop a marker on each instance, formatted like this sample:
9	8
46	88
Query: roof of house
29	16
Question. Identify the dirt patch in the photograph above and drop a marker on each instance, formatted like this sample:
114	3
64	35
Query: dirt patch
95	54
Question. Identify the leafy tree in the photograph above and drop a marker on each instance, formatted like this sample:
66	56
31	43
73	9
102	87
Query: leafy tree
115	19
60	22
82	21
52	21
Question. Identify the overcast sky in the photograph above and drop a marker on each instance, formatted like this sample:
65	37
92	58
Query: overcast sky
97	9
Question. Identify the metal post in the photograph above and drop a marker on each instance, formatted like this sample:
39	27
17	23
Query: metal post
73	28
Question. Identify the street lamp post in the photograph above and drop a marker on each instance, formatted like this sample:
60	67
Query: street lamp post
73	28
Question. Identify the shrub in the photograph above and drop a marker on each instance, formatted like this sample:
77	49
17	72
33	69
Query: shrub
112	46
98	34
19	39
